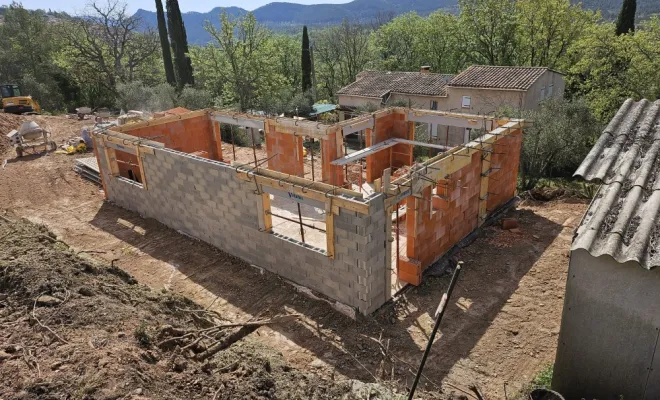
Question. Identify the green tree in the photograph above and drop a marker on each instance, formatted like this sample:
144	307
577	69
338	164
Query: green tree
165	44
625	22
489	26
547	29
249	56
179	43
562	134
306	62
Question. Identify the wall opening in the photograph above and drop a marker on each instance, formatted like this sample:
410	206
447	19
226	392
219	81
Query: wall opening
299	221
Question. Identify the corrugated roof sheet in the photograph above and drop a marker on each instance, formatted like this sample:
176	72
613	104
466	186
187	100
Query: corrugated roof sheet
623	221
322	108
492	77
380	83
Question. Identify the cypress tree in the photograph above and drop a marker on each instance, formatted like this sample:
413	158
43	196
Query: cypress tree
626	20
165	44
306	62
179	43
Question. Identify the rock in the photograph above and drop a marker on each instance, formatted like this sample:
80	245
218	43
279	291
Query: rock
4	356
13	348
103	362
138	391
56	365
48	301
317	364
509	223
179	364
85	291
515	230
121	334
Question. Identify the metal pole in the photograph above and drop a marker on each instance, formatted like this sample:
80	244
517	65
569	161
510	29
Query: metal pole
438	317
311	148
302	231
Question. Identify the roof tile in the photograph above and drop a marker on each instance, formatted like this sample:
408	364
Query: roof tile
492	77
623	220
380	83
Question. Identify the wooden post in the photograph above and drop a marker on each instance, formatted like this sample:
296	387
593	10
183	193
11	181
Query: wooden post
141	166
268	218
330	229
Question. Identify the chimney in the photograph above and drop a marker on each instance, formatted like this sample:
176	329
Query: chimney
425	69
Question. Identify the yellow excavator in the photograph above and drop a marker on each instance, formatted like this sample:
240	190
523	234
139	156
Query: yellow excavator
14	102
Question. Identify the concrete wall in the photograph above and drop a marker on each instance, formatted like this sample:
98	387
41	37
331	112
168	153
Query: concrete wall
534	95
609	332
207	200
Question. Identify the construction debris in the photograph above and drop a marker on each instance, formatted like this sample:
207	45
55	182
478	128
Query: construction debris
32	138
88	168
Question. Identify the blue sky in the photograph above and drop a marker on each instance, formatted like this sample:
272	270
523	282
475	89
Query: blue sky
199	5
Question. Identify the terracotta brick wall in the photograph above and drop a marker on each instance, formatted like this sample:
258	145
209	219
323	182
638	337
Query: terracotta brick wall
435	226
331	174
285	152
502	182
188	135
387	127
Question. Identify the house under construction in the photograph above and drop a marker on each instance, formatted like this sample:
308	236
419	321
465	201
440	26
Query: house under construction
370	222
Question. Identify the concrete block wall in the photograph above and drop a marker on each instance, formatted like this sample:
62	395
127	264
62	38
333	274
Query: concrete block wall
285	151
207	200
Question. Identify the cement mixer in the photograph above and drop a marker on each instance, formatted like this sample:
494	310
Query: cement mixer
30	136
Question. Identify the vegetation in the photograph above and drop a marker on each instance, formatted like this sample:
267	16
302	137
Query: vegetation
165	44
104	57
625	23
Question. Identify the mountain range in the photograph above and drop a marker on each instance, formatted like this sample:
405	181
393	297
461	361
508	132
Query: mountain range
288	17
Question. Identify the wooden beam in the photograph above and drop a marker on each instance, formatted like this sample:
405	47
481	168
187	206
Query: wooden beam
295	189
141	166
267	217
483	188
330	229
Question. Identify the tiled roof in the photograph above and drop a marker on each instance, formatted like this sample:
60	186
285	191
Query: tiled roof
623	221
379	84
490	77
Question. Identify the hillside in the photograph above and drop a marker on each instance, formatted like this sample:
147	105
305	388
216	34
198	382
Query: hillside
282	16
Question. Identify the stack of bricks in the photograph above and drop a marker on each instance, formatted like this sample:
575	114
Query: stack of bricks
285	152
436	223
207	200
505	163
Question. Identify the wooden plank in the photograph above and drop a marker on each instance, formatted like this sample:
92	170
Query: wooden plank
130	148
141	166
111	158
330	229
267	217
217	136
447	120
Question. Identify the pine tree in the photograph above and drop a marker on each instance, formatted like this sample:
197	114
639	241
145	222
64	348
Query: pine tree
165	44
179	43
626	21
306	62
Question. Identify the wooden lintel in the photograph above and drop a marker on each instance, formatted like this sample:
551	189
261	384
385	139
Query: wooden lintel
298	190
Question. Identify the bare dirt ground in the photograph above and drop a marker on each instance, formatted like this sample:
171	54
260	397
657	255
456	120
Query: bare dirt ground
500	328
78	329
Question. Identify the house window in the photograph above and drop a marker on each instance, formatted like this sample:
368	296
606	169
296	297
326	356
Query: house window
434	105
466	102
550	90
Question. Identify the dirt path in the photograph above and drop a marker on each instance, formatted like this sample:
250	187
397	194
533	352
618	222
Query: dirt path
500	327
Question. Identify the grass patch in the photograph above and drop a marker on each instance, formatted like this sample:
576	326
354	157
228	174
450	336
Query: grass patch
544	378
142	336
